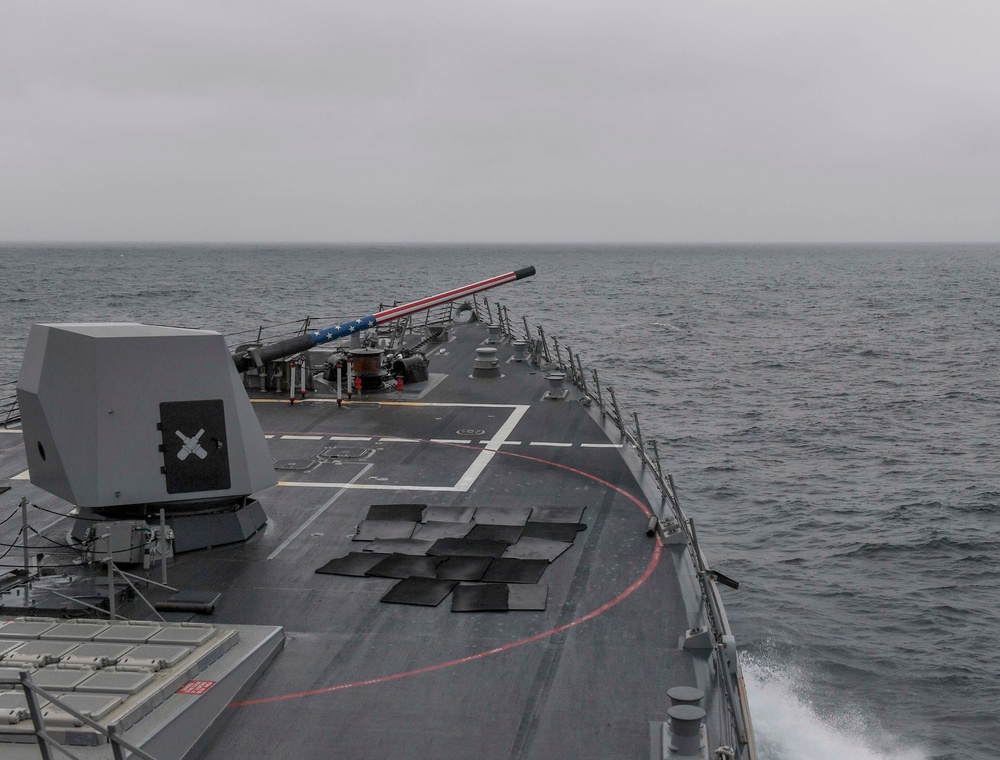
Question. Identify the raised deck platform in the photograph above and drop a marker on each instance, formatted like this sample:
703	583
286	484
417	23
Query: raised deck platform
161	685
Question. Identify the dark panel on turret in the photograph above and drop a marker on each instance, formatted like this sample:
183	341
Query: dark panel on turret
195	455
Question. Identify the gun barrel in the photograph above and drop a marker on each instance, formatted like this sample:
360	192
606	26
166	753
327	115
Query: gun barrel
301	343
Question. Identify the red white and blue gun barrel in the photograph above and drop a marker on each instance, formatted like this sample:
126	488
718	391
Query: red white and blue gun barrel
279	350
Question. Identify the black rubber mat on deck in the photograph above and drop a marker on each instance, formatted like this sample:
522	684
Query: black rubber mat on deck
536	548
425	592
411	546
449	514
557	514
506	533
463	568
552	531
515	571
502	515
370	530
405	566
408	512
467	547
485	598
432	530
355	564
527	597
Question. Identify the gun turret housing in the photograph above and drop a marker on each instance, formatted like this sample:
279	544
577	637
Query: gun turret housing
121	416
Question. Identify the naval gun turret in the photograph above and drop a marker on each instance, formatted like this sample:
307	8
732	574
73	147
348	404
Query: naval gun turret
258	356
124	420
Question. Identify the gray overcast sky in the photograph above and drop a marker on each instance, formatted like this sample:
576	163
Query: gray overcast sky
401	120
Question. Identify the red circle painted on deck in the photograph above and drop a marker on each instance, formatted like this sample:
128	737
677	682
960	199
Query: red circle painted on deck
653	562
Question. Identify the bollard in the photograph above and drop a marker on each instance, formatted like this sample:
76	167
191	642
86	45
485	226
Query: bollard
685	729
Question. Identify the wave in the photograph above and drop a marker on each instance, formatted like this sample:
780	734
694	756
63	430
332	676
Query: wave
788	726
927	545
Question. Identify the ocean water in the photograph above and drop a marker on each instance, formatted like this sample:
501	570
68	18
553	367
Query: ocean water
830	415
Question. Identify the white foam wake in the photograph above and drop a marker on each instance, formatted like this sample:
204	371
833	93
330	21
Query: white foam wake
788	727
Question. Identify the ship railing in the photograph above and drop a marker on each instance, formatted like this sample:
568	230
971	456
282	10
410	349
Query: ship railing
495	314
47	742
10	410
273	332
549	354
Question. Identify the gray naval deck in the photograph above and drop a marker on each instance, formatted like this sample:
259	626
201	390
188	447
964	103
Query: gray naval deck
359	678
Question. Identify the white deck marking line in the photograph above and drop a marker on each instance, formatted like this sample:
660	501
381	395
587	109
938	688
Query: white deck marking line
549	443
453	440
26	475
468	478
601	445
479	464
12	432
57	520
318	512
385	403
350	437
302	438
365	486
269	436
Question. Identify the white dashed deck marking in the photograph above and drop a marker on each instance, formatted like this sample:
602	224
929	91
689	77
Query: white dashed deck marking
467	479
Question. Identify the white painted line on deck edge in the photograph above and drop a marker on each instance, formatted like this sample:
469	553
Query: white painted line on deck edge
22	476
302	438
549	443
350	437
601	445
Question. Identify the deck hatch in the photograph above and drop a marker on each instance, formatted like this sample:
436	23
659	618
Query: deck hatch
75	631
183	635
94	706
110	682
61	679
26	629
346	452
195	455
